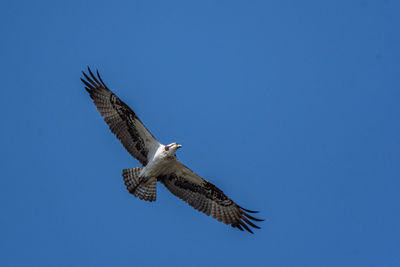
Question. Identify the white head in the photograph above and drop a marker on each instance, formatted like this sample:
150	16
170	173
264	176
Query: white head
172	148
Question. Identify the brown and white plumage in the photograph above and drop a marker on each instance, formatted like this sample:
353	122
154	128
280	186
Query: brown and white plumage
206	197
123	122
160	163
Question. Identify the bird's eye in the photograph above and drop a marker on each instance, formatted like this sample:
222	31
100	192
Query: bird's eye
166	148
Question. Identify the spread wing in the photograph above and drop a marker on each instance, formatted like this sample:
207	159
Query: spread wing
123	122
206	197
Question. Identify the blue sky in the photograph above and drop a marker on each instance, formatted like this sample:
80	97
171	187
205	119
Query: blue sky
290	107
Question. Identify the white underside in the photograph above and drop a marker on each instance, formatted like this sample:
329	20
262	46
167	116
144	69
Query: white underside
165	163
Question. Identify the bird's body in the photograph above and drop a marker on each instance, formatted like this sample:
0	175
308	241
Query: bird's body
160	163
157	164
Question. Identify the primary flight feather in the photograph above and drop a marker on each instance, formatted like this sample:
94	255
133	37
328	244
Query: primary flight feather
160	163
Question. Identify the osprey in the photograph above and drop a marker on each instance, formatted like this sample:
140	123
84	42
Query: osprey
160	163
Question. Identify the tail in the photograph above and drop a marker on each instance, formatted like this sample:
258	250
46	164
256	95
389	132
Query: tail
145	190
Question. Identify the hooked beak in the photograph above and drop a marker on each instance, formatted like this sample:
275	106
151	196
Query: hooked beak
178	145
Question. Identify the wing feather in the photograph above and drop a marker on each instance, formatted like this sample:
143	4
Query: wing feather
207	198
122	120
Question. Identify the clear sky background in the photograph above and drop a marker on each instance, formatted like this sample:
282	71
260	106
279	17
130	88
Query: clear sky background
291	107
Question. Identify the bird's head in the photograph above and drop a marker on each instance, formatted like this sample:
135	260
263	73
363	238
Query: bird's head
172	148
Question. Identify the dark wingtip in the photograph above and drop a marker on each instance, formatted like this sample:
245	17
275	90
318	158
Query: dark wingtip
93	76
245	227
252	218
89	86
249	222
98	75
245	220
88	68
95	82
251	211
238	227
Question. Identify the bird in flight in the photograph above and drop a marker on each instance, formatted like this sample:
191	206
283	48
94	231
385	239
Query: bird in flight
160	163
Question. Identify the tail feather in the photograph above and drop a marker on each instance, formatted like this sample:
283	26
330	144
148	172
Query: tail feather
143	189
